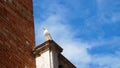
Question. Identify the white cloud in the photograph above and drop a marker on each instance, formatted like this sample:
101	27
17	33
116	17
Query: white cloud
110	42
74	49
108	11
106	61
110	60
77	53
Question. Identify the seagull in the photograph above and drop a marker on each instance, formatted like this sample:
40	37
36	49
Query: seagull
46	34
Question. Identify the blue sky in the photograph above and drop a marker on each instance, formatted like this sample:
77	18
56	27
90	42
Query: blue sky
87	30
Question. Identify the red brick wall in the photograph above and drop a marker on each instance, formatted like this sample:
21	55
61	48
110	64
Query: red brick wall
16	34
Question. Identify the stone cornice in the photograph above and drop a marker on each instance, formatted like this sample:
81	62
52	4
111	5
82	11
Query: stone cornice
47	45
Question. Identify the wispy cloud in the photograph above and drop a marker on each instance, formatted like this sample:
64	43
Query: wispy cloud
108	11
106	61
109	55
61	33
55	17
113	41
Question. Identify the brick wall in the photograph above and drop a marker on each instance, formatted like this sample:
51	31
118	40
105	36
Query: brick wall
16	34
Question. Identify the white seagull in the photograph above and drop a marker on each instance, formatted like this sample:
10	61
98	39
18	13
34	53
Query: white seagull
46	34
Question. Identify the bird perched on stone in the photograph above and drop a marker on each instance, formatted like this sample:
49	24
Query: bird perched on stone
46	34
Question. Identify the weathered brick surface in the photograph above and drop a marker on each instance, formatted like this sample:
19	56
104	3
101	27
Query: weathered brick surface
16	34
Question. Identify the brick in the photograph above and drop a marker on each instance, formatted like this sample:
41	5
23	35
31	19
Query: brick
1	42
16	34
